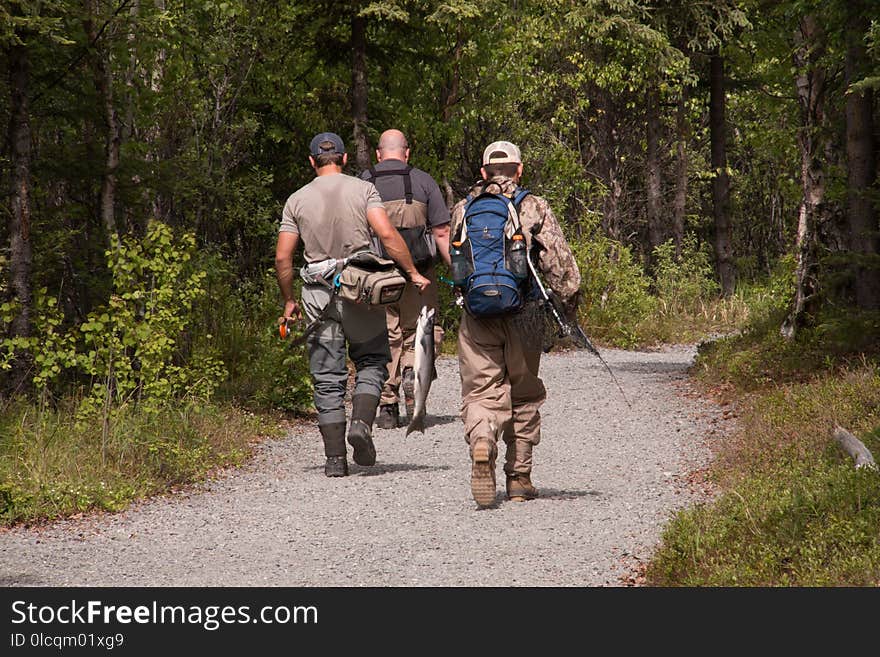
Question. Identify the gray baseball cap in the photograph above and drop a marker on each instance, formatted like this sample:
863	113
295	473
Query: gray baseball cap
315	146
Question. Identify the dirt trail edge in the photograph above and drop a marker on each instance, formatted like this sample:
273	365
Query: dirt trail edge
609	476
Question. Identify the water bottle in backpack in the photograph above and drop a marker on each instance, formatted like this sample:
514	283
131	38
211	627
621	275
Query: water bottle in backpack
462	265
516	257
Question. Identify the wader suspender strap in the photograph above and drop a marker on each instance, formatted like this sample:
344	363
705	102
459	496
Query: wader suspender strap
407	182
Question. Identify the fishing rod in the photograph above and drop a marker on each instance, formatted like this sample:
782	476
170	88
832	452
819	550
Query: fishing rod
570	328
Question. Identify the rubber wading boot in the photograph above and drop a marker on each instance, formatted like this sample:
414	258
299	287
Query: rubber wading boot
334	449
360	431
483	472
336	466
408	383
520	488
389	416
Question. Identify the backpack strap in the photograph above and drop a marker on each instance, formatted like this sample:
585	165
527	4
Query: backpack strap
513	208
461	234
519	195
407	181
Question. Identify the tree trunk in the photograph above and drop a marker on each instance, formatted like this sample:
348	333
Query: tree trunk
810	82
359	90
113	133
679	201
449	99
609	146
720	181
654	209
861	166
19	217
157	141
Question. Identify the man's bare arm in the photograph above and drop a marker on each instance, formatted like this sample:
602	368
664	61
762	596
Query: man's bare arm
284	250
441	237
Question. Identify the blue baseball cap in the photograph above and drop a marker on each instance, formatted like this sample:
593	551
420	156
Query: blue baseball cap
315	146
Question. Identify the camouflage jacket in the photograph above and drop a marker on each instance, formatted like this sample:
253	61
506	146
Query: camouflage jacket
544	239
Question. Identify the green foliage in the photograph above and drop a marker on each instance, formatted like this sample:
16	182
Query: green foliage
133	347
133	343
615	290
683	282
758	356
51	349
449	310
623	306
265	372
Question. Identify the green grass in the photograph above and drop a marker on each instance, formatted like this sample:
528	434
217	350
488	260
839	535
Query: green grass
53	466
798	525
791	509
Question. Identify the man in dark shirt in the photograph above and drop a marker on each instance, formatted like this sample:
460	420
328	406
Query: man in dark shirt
417	209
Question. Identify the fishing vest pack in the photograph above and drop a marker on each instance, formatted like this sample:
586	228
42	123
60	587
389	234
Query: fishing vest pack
409	218
362	277
489	255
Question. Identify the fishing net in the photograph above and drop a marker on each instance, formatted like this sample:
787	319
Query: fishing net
536	326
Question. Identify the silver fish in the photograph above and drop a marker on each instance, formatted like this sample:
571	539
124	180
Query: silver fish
423	368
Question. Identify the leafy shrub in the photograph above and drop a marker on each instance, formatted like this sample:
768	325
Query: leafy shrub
264	371
615	290
683	283
136	346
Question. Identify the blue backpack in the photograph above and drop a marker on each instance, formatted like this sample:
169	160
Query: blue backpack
489	255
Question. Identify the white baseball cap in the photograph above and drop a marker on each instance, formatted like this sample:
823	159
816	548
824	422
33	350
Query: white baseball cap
499	152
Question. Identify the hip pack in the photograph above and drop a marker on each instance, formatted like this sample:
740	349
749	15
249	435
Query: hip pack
370	280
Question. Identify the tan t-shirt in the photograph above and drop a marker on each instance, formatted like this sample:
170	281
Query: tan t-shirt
330	215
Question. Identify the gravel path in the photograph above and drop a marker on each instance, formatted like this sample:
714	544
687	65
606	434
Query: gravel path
610	477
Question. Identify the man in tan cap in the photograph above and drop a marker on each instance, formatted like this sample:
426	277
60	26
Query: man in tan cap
499	357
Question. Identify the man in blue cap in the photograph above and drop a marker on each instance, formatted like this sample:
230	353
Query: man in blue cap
332	217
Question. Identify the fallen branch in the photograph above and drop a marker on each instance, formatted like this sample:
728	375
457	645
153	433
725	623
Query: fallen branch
855	448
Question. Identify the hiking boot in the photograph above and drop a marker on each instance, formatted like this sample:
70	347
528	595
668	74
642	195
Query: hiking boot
483	472
408	380
520	488
389	416
360	430
336	466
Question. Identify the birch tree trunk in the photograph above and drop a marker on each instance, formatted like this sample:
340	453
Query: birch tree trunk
609	147
810	84
654	209
103	75
450	98
679	201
